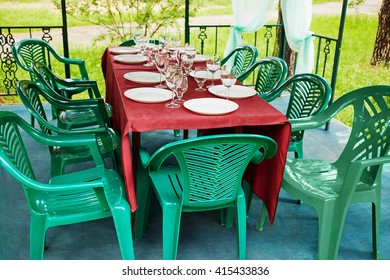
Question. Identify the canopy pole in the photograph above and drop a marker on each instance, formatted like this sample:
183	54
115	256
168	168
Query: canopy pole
338	50
187	22
65	41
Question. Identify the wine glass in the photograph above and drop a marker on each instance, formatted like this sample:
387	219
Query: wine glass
228	78
213	63
149	48
173	79
161	61
186	62
182	89
176	38
190	50
200	75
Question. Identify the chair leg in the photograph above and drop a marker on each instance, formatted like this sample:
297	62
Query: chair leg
375	230
170	230
122	220
143	196
241	227
37	236
263	216
327	242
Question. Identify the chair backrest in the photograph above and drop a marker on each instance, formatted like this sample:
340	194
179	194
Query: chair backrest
310	94
269	73
242	57
31	95
13	154
370	131
46	78
213	166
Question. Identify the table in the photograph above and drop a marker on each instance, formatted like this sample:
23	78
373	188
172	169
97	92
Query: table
254	115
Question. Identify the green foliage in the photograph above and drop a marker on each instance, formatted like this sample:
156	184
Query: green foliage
122	18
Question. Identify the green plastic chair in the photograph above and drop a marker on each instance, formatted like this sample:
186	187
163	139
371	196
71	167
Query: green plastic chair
28	50
355	177
310	94
58	88
131	42
269	73
242	57
77	197
32	97
207	177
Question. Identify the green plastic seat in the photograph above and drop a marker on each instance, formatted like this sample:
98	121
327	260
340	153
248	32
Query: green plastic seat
355	177
242	57
81	196
310	94
269	73
58	88
207	176
32	97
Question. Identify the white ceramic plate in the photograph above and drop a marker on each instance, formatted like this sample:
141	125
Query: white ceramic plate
124	50
148	94
217	75
235	91
144	77
200	58
210	106
130	58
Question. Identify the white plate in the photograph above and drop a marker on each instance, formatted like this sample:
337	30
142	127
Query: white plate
235	91
200	58
144	77
130	58
217	75
149	94
124	50
210	106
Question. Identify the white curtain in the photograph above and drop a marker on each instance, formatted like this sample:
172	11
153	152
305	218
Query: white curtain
249	16
297	15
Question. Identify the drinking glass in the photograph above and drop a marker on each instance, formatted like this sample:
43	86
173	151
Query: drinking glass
182	89
149	48
176	38
200	75
213	63
160	61
173	79
186	62
228	78
190	50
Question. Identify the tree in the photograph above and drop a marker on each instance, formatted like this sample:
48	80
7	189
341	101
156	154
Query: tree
382	43
122	18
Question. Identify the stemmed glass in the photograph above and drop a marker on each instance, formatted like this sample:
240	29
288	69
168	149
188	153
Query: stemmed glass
161	61
173	79
228	78
200	75
186	62
182	89
190	50
213	63
176	38
149	48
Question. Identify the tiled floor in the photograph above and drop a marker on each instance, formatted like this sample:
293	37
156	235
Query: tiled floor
293	236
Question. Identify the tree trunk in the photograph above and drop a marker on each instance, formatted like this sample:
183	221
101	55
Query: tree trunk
290	54
382	43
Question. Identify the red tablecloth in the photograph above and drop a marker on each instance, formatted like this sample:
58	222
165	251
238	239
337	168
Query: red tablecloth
254	115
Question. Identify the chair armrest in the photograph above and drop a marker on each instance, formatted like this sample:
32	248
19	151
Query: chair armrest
144	157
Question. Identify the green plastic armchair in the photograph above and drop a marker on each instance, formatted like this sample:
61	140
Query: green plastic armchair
310	94
57	88
29	50
242	57
108	139
269	73
81	196
208	177
355	177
